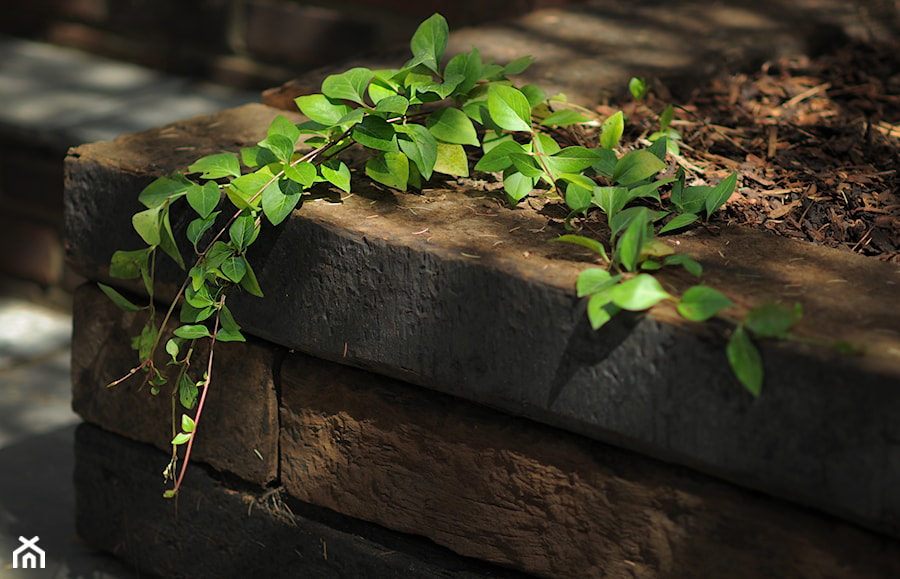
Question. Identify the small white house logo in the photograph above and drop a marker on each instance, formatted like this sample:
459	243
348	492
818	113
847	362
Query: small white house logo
28	555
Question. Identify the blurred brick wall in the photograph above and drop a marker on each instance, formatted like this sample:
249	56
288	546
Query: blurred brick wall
246	43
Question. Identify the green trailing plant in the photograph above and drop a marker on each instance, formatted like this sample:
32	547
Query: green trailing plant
417	121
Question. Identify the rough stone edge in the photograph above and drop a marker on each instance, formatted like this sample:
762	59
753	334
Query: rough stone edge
223	528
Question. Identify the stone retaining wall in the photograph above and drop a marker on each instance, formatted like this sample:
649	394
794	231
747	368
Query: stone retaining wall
483	414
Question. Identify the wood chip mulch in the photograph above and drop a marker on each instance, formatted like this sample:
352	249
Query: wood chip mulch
816	143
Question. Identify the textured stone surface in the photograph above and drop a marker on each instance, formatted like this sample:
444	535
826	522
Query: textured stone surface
457	292
517	493
238	430
216	529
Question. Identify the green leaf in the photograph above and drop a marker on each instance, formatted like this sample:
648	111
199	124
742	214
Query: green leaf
638	88
571	160
234	268
600	309
606	162
376	133
282	147
167	240
204	199
198	297
579	191
420	146
164	189
121	301
191	315
389	169
322	109
230	336
250	283
257	156
226	319
192	331
629	246
178	439
745	361
244	192
527	165
198	227
173	348
585	242
679	222
279	200
429	43
637	166
518	66
623	219
337	173
544	144
217	166
509	108
593	280
187	392
350	85
303	173
700	303
499	157
638	293
129	264
243	231
772	320
720	194
468	66
147	224
534	94
686	262
451	125
611	130
451	160
170	493
564	118
285	127
517	185
187	423
690	199
145	341
395	104
666	118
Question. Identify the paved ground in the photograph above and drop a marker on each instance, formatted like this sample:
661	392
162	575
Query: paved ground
62	97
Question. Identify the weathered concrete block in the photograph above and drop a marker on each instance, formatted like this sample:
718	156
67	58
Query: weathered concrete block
514	492
215	529
454	291
238	431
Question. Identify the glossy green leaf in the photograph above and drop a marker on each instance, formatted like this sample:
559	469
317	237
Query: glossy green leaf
224	335
226	319
666	118
534	94
234	268
285	127
337	173
243	231
350	85
585	242
600	309
686	262
468	66
146	224
187	423
321	109
143	343
389	169
564	118
198	227
451	125
745	361
420	146
499	157
544	143
451	160
173	348
129	264
250	283
376	133
519	65
527	165
700	303
395	104
690	199
638	88
217	166
198	296
188	393
192	331
517	185
720	194
167	240
637	166
245	191
429	43
203	200
771	320
571	160
279	200
579	191
178	439
257	156
509	108
611	130
164	189
121	301
629	246
679	222
303	173
638	293
281	146
593	280
605	163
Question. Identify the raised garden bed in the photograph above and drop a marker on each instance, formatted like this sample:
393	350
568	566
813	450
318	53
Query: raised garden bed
453	293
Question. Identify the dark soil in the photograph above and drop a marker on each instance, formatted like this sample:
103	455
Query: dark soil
816	143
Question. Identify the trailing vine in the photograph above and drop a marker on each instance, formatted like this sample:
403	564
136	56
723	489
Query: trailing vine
415	122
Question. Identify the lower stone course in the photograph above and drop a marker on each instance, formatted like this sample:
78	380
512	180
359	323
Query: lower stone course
219	530
481	483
